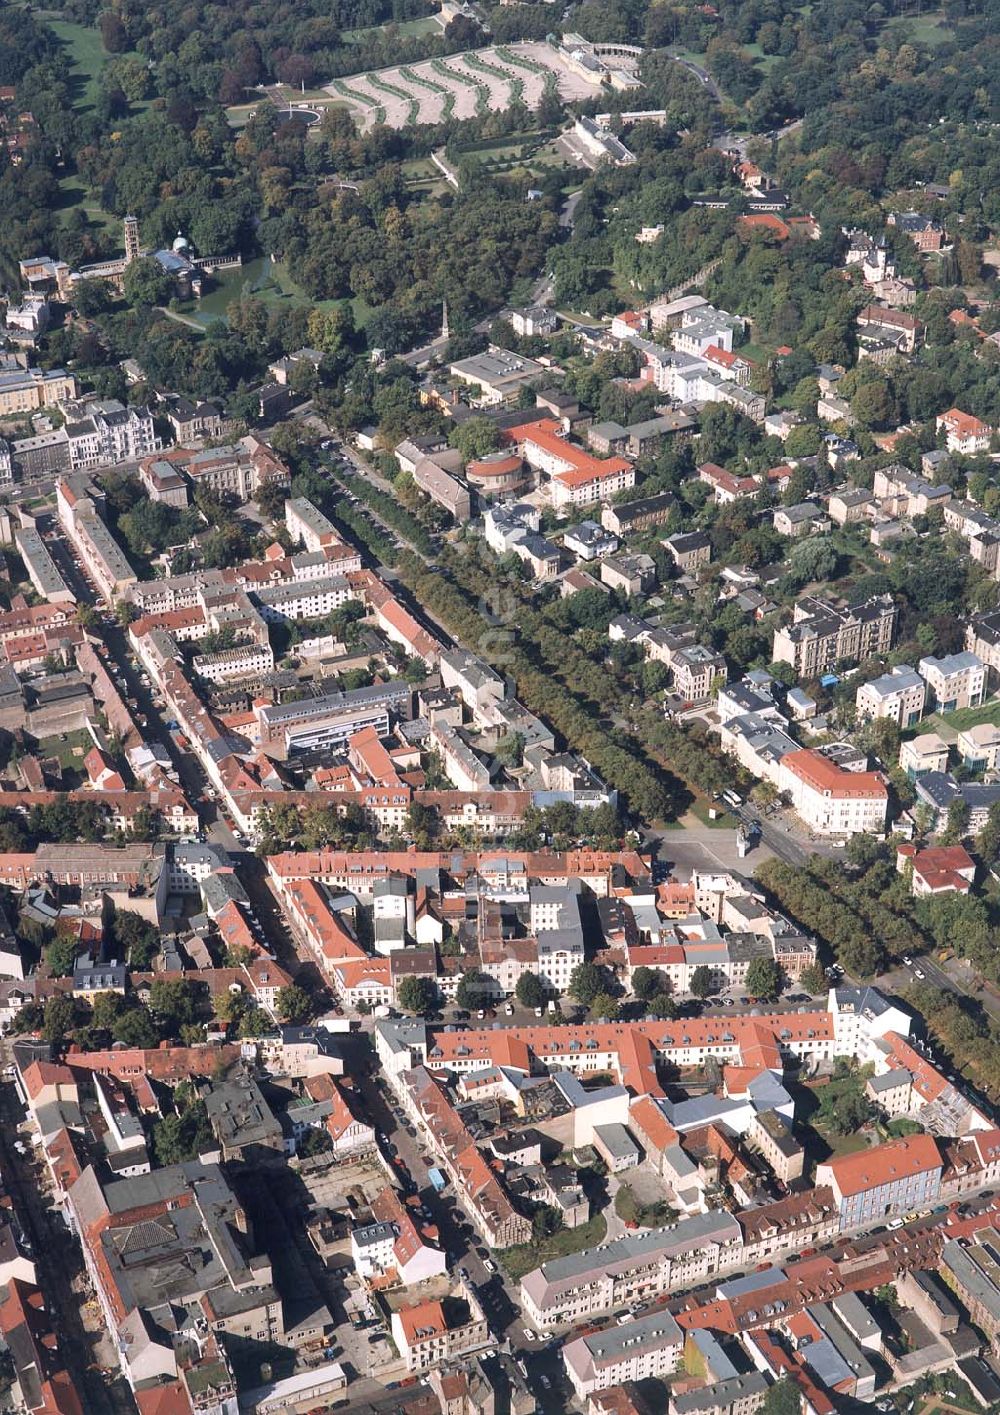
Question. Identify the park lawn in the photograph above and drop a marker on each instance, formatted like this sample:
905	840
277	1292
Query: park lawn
549	155
697	815
428	25
756	353
955	722
927	29
87	58
73	195
762	60
502	150
693	56
528	1256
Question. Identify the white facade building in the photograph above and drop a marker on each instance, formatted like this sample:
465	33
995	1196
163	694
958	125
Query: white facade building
899	696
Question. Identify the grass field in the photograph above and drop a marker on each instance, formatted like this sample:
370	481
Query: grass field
698	816
923	29
428	25
762	60
74	194
87	57
951	723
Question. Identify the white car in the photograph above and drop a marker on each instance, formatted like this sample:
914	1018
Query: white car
489	1265
529	1335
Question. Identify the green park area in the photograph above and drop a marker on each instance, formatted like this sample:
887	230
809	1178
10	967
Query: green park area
428	24
86	56
949	724
267	280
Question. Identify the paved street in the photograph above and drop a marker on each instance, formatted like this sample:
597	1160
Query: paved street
459	1240
83	1337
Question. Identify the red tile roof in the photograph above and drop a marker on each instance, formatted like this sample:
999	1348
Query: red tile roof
890	1163
824	775
426	1319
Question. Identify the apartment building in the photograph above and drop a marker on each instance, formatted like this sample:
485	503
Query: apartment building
625	519
892	1178
576	477
903	329
435	477
649	1348
464	768
307	524
829	799
705	328
304	599
729	365
898	695
982	637
972	1272
900	493
429	1334
631	1269
479	686
329	719
392	1243
925	233
163	482
26	390
979	747
42	570
689	550
736	1395
539	554
555	919
956	681
103	558
849	505
109	433
964	434
922	754
192	422
245	661
695	671
632	572
225	471
688	378
726	486
805	518
823	635
781	1152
